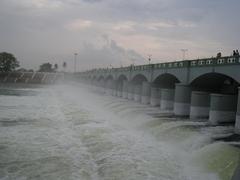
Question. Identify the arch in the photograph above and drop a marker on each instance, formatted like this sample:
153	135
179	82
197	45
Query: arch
122	78
109	81
138	79
120	81
93	77
215	82
109	77
100	78
166	80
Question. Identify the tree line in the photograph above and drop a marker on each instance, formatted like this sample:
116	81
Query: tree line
9	63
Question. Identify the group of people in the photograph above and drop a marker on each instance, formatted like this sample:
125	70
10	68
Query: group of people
235	52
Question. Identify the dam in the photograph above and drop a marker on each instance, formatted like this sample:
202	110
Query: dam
30	77
120	124
201	88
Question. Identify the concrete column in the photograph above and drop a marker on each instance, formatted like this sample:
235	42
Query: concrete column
125	89
155	96
237	124
95	85
108	89
200	105
137	93
182	100
222	108
102	86
98	86
146	92
92	82
130	91
119	90
167	99
114	88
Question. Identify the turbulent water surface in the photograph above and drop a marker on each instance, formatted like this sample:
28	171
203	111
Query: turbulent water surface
72	132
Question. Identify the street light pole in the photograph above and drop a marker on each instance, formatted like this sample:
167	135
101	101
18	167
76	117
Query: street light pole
133	61
149	58
75	62
184	52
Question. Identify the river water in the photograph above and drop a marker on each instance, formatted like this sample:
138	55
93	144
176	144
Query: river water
73	132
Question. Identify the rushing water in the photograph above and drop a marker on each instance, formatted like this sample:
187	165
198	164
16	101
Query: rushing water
71	132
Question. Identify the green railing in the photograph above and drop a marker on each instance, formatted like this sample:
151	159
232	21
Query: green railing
222	61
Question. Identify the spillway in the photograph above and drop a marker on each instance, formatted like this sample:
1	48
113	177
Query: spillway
74	132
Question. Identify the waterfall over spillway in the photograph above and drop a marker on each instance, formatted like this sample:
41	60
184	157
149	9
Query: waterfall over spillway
72	132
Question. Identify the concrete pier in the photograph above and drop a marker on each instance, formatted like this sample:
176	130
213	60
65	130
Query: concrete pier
182	100
119	90
94	85
114	88
167	99
125	89
222	108
137	93
130	91
109	89
200	105
155	96
146	92
237	124
102	86
98	86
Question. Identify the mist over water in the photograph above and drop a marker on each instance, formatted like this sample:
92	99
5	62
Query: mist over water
74	132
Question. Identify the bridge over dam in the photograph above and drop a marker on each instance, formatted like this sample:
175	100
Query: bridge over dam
30	77
201	88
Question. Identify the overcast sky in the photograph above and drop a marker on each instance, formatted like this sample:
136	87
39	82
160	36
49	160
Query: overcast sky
117	32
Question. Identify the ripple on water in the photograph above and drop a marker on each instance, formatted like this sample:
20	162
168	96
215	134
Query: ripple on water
17	92
61	138
219	158
48	167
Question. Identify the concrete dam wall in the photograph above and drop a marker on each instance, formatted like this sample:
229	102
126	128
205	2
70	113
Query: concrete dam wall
200	89
30	77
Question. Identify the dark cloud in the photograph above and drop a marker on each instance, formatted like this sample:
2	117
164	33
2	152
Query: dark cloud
54	29
110	53
92	1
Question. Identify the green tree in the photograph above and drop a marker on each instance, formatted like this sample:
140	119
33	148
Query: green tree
46	67
8	62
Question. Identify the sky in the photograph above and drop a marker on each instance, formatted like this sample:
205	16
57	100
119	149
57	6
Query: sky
114	33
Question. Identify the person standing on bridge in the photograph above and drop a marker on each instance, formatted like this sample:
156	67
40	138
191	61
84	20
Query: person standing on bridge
234	53
219	54
237	53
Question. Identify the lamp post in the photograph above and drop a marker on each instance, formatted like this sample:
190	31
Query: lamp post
183	53
75	62
133	61
149	58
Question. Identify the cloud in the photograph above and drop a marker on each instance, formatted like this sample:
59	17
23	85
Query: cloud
79	24
38	4
124	26
36	30
45	3
92	1
169	24
109	53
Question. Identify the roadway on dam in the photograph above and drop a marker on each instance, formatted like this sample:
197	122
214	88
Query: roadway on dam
74	132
